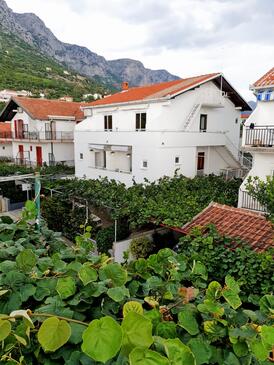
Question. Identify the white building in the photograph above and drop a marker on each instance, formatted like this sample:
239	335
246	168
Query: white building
5	141
190	125
5	95
42	131
258	137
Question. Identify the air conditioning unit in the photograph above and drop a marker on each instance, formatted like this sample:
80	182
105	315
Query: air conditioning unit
19	110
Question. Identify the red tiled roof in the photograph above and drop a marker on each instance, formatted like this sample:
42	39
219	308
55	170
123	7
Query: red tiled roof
5	127
153	91
250	227
266	80
42	108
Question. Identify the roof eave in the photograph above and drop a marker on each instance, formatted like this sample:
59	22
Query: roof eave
134	102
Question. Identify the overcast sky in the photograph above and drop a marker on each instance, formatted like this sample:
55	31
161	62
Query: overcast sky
186	37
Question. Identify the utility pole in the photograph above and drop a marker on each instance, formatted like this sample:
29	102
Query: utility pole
37	199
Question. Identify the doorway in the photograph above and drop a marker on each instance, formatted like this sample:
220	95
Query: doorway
200	163
21	153
39	159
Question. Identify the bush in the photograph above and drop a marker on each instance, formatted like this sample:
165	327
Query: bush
225	256
141	247
106	236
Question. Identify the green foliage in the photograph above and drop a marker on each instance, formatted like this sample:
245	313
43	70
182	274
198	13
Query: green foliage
141	247
141	204
263	191
223	256
64	305
24	67
106	236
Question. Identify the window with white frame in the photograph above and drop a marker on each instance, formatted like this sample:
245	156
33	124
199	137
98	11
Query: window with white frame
141	121
177	160
108	122
81	156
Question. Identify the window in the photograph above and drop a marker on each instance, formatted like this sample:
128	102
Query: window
141	121
203	122
81	156
144	164
108	122
3	148
236	121
177	160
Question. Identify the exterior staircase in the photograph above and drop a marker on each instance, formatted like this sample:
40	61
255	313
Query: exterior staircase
192	115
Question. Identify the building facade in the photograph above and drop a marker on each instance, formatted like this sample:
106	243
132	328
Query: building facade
190	126
42	131
258	137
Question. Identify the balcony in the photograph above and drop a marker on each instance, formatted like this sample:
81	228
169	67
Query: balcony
259	137
38	136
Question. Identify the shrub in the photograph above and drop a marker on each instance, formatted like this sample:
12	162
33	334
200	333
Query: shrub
106	236
141	247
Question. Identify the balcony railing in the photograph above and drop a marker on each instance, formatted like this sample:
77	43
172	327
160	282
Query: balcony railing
260	137
248	202
38	136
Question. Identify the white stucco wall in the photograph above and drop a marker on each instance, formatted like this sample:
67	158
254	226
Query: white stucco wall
164	138
5	150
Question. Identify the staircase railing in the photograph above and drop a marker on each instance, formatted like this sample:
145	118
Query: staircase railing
237	153
191	115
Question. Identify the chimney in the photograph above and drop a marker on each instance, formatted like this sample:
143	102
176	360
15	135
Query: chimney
124	85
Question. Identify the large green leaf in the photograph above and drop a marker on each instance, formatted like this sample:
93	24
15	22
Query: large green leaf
132	306
267	304
87	274
141	356
137	332
5	329
118	293
259	350
178	353
188	321
102	339
214	291
26	260
201	350
211	307
267	335
66	287
53	334
115	273
232	298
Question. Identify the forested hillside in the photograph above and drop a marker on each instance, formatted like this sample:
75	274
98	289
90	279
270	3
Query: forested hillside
24	67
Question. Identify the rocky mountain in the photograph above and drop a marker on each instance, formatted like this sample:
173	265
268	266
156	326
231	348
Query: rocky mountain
31	29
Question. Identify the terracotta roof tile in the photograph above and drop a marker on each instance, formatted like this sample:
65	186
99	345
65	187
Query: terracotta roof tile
42	108
266	80
250	227
153	91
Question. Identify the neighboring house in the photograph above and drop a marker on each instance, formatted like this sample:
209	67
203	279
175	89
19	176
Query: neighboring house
258	137
5	95
250	227
190	125
42	131
5	141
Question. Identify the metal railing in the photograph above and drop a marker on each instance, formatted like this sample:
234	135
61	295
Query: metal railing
248	202
38	136
260	137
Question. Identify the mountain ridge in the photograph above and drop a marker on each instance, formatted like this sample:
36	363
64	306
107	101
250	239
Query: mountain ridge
31	29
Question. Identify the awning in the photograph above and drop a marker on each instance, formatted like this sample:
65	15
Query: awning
120	148
100	147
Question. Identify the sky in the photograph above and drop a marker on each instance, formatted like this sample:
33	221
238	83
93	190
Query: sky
185	37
